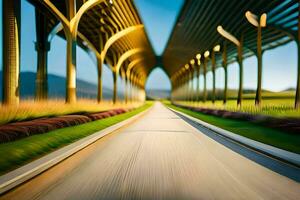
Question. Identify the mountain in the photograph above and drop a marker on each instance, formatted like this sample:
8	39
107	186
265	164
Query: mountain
56	86
158	94
291	89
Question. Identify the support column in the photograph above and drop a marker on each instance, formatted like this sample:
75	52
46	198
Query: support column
191	81
213	68
240	61
41	82
71	58
204	85
42	46
132	88
224	64
99	77
11	51
71	70
198	84
131	91
126	90
297	97
187	87
115	79
259	67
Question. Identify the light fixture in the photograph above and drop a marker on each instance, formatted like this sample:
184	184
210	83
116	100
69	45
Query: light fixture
198	56
186	66
255	21
111	2
192	62
228	35
263	20
206	54
217	48
85	43
102	21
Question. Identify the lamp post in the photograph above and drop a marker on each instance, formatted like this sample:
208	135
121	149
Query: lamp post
198	64
259	22
206	55
224	65
239	44
187	88
192	64
213	61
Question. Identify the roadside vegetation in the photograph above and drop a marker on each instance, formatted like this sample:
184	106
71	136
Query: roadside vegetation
17	153
28	110
279	104
277	138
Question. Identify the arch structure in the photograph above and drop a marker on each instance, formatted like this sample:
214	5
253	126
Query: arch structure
111	29
212	34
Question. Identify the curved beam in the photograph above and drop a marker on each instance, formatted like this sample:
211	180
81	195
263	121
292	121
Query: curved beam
54	31
51	7
59	27
132	65
89	44
126	55
75	20
117	36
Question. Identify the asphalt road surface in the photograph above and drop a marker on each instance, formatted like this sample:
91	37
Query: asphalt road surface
159	156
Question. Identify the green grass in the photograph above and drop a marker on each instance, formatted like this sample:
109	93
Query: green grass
17	153
30	109
276	104
280	139
279	107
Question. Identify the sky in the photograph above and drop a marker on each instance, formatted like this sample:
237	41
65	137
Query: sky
159	16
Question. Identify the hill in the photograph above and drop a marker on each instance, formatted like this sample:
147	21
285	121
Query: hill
57	87
158	94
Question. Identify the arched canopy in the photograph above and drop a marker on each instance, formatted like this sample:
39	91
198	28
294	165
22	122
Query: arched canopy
101	22
196	29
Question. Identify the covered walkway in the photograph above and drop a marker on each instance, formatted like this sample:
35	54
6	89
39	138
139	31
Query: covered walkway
160	156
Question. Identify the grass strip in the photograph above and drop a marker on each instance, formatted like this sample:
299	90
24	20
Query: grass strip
277	138
275	107
17	153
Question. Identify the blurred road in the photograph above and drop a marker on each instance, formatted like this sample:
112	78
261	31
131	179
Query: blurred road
160	156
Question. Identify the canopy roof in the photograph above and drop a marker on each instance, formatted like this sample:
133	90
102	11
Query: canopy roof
196	29
100	23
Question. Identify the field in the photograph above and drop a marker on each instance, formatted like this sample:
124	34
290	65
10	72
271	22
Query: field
29	109
273	104
20	152
277	138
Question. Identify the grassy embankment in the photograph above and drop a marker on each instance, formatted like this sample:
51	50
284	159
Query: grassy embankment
17	153
280	139
28	110
277	104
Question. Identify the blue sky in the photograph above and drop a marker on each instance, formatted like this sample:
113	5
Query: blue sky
280	64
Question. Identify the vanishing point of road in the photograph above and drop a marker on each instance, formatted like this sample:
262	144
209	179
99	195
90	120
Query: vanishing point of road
159	156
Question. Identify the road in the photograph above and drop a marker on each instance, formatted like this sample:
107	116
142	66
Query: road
159	156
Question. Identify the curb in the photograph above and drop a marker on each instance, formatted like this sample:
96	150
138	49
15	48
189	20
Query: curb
20	175
274	152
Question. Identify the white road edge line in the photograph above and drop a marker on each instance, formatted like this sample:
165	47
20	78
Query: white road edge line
20	175
274	152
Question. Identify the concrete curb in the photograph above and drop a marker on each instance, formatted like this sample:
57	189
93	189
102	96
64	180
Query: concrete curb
279	154
18	176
